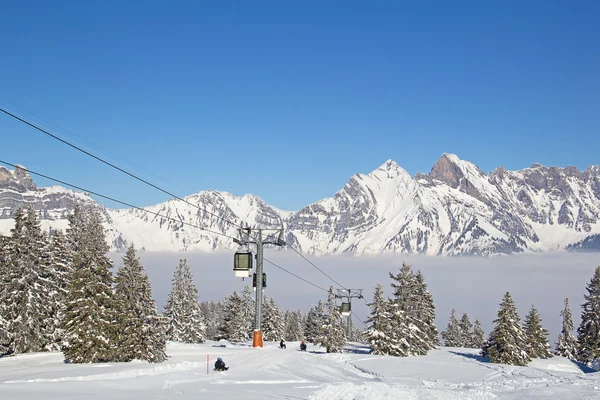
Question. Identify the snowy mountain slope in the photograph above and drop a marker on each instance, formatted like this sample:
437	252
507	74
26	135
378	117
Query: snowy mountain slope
446	373
456	209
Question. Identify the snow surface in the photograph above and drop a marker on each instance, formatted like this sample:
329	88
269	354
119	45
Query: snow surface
259	373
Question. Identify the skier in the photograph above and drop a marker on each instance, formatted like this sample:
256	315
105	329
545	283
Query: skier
281	344
220	365
302	346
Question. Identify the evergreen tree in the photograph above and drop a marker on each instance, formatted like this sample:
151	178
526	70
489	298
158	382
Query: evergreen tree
426	312
185	322
507	343
477	336
536	336
566	345
212	314
144	335
27	287
409	308
315	319
5	337
273	324
332	335
379	333
233	326
91	313
293	326
59	262
452	334
249	310
465	328
588	338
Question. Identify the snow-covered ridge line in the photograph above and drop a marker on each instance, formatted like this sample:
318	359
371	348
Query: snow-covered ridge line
456	209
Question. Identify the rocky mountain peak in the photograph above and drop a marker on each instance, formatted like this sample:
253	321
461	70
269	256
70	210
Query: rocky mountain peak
447	170
24	178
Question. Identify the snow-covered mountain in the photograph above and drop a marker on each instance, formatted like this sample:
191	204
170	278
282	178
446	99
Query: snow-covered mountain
456	209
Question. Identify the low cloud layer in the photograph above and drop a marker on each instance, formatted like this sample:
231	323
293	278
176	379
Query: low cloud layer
469	284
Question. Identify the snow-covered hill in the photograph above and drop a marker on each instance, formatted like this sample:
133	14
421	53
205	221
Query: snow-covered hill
456	209
447	373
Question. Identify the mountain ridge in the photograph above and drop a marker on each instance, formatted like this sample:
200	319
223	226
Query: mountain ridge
456	209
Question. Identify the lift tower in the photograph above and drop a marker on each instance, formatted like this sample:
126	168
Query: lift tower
274	237
346	310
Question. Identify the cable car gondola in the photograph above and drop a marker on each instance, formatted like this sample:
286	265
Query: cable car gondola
346	309
242	264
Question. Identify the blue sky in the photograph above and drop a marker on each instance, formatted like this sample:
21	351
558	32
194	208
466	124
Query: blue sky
287	100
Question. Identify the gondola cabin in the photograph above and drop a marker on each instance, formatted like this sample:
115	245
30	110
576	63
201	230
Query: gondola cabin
346	309
242	264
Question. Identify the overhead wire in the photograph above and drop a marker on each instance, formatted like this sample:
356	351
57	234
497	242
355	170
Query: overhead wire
151	212
56	137
46	132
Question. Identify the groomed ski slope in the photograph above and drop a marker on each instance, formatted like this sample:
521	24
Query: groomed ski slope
270	373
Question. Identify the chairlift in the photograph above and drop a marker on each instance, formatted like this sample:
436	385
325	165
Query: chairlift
242	264
264	281
346	309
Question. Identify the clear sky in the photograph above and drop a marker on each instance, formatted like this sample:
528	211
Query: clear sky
288	99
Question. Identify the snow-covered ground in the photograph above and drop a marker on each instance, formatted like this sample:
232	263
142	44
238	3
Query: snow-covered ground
265	373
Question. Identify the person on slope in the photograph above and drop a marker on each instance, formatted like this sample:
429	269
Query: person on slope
220	365
281	344
302	346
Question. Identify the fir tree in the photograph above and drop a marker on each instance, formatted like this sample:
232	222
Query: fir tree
293	326
452	334
90	314
60	264
332	335
185	322
212	314
506	343
425	312
233	326
536	336
566	345
27	287
5	337
315	319
477	336
379	334
249	310
465	328
273	324
588	333
144	335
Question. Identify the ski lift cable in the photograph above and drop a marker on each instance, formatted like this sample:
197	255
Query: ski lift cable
319	269
291	273
71	134
117	201
358	319
114	166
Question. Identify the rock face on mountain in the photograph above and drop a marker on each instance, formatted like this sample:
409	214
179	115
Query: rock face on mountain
456	209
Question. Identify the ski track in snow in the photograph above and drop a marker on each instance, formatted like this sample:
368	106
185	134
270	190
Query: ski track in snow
446	373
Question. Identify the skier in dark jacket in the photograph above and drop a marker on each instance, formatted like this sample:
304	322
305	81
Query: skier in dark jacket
220	365
281	345
303	346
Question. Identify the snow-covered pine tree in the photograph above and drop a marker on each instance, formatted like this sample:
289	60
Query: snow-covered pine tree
566	345
425	312
5	337
185	322
315	319
465	326
408	310
90	313
273	323
144	337
233	326
507	343
332	335
60	264
212	314
249	309
379	334
452	334
477	336
536	336
588	333
27	288
293	325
